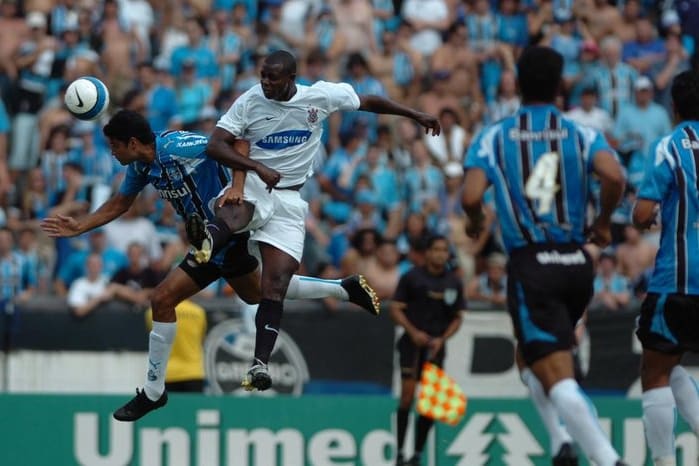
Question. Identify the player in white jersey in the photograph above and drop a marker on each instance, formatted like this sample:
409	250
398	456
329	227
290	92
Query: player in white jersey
283	123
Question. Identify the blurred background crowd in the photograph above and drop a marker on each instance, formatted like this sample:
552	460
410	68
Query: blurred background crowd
381	186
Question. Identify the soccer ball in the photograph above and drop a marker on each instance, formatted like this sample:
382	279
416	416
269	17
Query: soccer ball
87	98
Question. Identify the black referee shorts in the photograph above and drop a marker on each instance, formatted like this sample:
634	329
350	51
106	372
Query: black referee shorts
237	262
548	289
412	358
669	323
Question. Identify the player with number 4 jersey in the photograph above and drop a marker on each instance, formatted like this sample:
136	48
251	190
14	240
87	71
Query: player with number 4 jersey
540	165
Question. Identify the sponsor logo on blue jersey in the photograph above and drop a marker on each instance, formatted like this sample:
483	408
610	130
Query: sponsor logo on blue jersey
284	139
174	193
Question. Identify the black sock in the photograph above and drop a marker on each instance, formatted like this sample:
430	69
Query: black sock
267	322
221	235
422	428
401	427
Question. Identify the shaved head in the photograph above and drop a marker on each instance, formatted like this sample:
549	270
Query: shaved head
283	58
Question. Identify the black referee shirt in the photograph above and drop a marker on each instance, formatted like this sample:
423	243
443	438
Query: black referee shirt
432	302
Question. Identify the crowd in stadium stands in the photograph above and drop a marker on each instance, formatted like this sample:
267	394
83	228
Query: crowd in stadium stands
381	186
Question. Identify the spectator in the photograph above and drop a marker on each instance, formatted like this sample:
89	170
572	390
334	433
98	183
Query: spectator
677	61
396	65
137	279
74	266
513	25
614	79
384	273
383	180
430	18
137	18
88	292
363	251
451	143
96	161
638	125
355	23
339	174
456	60
227	46
635	255
35	199
366	215
626	30
589	114
611	288
195	53
33	61
508	100
17	278
38	259
192	96
161	100
647	50
55	155
601	17
131	227
490	287
5	180
423	181
363	82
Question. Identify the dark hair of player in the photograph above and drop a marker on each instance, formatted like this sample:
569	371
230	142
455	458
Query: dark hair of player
127	124
539	72
283	58
685	95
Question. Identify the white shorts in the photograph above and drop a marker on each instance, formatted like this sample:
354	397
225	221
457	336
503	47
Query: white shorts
279	218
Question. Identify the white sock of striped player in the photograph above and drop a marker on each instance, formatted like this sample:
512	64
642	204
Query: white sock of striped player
659	424
555	428
580	419
159	346
686	393
302	287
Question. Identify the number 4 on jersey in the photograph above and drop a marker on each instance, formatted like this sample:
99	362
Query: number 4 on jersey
541	185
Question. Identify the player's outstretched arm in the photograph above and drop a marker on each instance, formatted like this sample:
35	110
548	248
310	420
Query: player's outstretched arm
222	148
644	213
378	104
63	226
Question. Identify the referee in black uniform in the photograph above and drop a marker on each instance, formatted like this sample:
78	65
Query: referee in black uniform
427	304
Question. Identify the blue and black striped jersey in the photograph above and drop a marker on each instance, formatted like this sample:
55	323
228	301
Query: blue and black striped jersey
539	164
181	172
671	180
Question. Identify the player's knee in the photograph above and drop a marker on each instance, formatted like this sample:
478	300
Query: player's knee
163	303
250	296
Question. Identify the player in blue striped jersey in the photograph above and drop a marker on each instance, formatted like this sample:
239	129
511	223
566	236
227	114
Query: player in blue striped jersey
176	164
540	165
669	321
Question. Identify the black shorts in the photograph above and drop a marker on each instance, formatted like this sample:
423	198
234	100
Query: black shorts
237	262
548	289
412	358
669	323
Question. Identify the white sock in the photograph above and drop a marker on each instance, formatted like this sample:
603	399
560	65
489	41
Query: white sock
659	424
160	344
302	287
578	414
557	432
686	394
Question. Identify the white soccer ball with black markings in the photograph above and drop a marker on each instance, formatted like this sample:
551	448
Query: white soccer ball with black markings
87	98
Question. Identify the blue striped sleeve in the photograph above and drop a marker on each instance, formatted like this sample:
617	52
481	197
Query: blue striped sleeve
658	178
133	183
481	154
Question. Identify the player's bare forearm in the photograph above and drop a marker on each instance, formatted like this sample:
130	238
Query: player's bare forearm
113	208
222	148
644	213
475	184
378	104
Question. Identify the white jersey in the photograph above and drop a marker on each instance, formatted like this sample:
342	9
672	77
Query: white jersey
285	136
